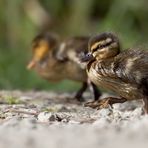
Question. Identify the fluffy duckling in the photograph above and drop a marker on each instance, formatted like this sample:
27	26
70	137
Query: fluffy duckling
125	73
57	61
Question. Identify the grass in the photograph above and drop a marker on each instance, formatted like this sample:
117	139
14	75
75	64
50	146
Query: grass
12	100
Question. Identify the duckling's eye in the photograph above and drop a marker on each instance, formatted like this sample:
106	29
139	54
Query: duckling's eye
102	46
99	47
95	49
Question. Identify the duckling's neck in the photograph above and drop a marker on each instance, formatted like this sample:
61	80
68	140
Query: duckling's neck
90	64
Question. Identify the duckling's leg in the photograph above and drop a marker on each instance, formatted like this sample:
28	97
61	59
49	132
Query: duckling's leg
145	100
95	91
144	87
80	92
104	103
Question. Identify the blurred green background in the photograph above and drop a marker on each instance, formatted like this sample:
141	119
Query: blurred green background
21	20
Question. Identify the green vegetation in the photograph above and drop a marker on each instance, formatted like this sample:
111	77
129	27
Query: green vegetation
21	20
12	100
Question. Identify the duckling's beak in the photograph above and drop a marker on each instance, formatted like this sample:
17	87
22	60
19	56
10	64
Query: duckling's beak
31	65
87	57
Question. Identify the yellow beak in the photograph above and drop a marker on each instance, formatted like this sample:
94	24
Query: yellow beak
31	65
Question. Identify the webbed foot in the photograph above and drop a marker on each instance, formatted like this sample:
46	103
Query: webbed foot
104	103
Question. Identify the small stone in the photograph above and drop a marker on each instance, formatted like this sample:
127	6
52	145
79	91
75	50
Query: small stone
52	118
137	112
105	112
44	117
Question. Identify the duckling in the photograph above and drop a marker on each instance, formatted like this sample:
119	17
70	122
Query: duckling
55	61
125	73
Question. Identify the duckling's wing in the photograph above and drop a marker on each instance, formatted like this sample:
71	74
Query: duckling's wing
131	66
61	54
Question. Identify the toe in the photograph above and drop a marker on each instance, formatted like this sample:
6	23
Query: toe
92	104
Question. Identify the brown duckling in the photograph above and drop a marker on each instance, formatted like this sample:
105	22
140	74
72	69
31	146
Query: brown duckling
125	73
57	61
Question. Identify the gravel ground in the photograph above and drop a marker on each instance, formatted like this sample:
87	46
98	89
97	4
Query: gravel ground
51	120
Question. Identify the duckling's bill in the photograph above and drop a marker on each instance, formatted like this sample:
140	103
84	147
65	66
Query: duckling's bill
87	57
31	65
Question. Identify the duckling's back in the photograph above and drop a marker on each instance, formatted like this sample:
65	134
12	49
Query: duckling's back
132	65
78	44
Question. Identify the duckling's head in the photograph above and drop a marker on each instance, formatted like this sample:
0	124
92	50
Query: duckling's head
103	46
42	45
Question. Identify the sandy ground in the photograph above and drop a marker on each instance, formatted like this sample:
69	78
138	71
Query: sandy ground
51	120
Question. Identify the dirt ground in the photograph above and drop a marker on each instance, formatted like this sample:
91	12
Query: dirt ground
51	120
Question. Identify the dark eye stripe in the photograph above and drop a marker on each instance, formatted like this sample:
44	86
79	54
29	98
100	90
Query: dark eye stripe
101	46
95	49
